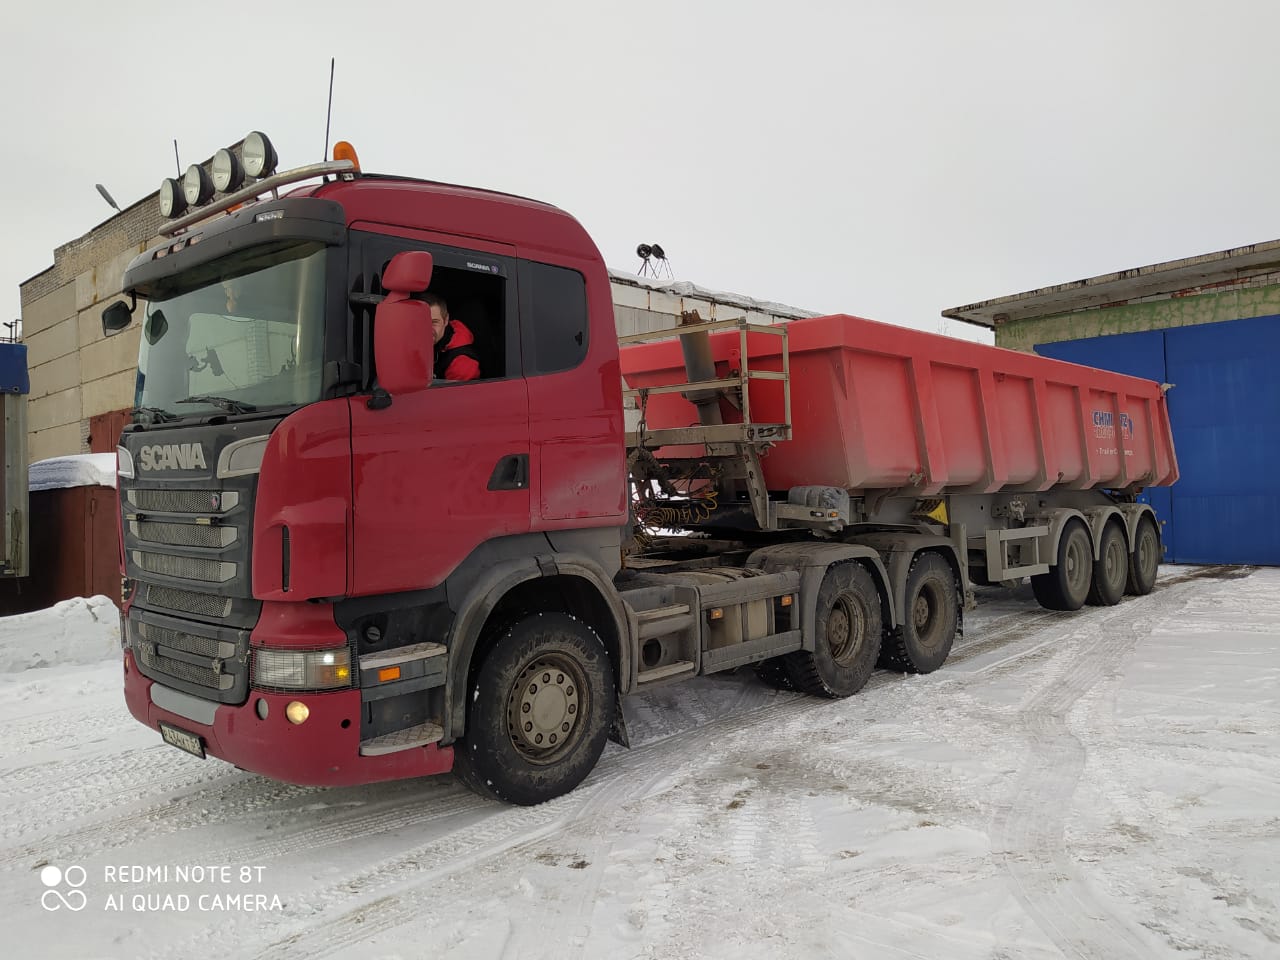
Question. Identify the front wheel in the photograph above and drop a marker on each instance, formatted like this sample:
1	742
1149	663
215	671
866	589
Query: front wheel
538	711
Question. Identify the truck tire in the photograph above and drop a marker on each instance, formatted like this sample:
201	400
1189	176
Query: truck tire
932	612
1111	569
538	711
847	634
1066	585
773	673
1145	559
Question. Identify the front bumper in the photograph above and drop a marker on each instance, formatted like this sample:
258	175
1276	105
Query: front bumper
323	751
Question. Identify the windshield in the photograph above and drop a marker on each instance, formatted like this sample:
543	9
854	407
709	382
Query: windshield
238	334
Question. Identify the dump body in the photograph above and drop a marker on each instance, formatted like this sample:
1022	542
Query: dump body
875	407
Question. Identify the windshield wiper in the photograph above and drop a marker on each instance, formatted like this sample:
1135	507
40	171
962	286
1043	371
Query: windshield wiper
155	414
222	403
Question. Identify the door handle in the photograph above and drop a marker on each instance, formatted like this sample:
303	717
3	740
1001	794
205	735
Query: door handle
511	473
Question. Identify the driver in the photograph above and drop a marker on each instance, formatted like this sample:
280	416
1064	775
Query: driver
455	354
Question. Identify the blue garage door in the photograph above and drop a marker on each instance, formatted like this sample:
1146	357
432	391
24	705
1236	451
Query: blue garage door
1225	410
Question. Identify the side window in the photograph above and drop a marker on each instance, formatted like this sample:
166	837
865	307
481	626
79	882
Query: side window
553	312
477	298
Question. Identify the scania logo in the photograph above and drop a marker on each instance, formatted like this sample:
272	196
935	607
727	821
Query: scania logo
172	456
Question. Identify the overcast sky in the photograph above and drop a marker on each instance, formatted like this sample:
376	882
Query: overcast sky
884	159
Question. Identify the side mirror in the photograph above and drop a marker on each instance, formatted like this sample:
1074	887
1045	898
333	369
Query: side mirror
116	317
403	347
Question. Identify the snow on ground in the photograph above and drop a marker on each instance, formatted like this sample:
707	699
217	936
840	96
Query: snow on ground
77	631
1102	784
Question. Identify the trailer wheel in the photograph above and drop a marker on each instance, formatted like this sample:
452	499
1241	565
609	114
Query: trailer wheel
932	614
1145	559
847	634
1111	569
1066	585
538	711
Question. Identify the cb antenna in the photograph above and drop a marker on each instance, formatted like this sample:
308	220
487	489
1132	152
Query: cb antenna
328	114
176	162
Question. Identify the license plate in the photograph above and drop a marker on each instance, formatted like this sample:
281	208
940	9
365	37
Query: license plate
182	740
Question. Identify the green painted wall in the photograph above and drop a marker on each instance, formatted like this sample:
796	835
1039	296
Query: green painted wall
1135	317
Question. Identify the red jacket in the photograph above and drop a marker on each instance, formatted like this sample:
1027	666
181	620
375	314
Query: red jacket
456	355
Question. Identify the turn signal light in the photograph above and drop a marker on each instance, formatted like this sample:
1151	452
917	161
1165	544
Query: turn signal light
388	673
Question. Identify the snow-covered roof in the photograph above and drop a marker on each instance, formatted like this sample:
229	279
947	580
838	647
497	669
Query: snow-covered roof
683	288
78	470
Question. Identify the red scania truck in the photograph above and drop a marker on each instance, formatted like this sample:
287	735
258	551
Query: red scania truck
340	571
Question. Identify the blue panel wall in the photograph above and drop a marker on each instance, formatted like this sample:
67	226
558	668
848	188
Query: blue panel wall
1225	410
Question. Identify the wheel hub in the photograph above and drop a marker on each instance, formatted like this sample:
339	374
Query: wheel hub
845	627
544	707
920	612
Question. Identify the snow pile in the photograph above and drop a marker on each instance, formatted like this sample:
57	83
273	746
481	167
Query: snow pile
79	470
76	631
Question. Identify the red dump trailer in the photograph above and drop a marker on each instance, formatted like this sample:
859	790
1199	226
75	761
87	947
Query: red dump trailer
875	406
342	568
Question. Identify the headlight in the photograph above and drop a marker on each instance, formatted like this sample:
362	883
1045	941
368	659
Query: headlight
302	669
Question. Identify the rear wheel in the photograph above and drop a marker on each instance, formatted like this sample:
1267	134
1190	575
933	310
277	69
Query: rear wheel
1145	559
1111	569
846	636
1066	585
538	711
932	613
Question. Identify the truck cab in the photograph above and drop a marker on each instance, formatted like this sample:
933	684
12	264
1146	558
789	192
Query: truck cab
286	519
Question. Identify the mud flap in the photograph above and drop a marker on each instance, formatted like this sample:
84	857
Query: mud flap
618	732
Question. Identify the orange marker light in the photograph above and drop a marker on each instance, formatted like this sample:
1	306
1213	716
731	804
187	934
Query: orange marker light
342	150
388	673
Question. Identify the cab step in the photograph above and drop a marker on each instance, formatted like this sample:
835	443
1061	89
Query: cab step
417	736
663	620
666	670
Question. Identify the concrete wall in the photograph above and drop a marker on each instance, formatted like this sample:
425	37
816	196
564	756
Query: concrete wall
76	373
1251	296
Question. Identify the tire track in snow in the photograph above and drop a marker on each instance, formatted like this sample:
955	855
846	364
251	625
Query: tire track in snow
1028	827
466	857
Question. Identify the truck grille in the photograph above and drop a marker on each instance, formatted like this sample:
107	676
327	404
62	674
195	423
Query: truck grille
186	642
188	601
202	676
183	534
183	501
185	568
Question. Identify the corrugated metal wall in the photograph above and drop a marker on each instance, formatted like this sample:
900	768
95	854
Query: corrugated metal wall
1225	410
